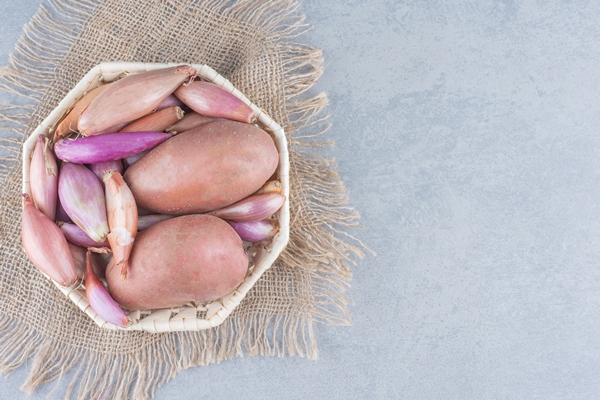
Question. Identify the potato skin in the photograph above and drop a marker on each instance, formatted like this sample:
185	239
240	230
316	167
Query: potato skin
187	258
203	169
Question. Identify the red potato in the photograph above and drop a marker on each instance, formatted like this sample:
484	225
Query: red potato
203	169
188	258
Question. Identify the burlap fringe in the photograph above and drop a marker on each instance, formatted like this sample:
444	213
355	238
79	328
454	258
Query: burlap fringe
100	375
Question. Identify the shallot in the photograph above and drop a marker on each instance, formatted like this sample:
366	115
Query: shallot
189	121
46	246
82	197
99	169
146	221
254	231
122	219
132	97
252	208
101	148
74	234
100	300
270	187
170	101
157	121
43	177
69	124
213	101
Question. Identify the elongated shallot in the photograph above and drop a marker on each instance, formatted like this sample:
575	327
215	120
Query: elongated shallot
131	98
46	246
122	219
43	178
82	197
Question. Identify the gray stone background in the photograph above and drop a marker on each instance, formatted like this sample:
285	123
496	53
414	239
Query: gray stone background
467	136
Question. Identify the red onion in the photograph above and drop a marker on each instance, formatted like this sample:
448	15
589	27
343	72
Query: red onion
100	300
76	235
46	246
101	148
213	101
82	197
43	177
253	208
254	231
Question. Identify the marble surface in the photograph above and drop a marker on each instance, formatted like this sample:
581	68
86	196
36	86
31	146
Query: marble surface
467	136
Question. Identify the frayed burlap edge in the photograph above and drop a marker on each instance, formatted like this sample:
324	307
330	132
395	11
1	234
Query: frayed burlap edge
318	195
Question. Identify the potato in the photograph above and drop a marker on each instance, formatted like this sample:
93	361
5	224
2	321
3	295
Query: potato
203	169
187	258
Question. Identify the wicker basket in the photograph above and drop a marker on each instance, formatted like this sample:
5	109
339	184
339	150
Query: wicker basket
187	317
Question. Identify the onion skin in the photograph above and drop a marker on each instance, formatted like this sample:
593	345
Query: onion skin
157	121
146	221
131	98
99	169
100	300
70	123
252	208
46	246
43	177
77	236
102	148
213	101
254	231
82	197
190	121
122	219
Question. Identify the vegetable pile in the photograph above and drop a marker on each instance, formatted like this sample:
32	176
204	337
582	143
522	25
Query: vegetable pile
150	189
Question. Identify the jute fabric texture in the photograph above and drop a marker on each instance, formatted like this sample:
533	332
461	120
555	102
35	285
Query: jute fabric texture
255	45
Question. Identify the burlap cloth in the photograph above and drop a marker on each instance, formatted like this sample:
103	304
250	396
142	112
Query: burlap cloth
253	44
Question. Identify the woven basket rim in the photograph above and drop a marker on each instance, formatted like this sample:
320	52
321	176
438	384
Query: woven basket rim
179	318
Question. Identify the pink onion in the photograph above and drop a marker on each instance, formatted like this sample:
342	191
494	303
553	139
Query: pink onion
101	148
82	197
213	101
254	231
77	236
46	246
146	221
43	177
100	300
252	208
